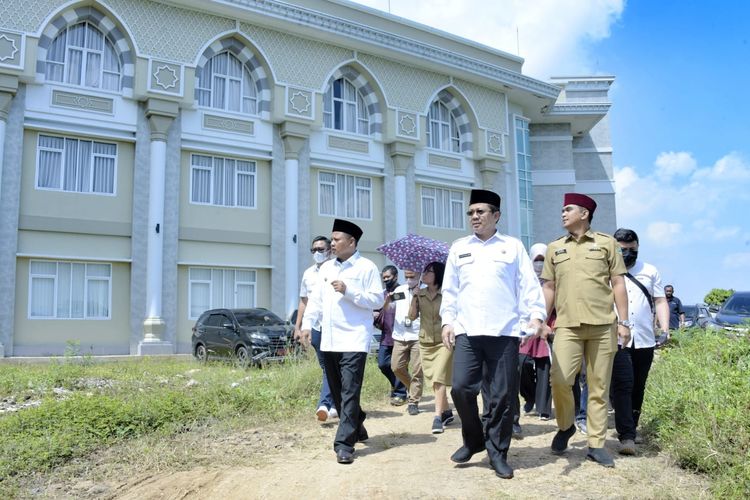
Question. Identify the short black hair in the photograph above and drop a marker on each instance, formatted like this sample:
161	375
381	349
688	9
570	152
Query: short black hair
438	269
626	235
390	269
322	238
669	286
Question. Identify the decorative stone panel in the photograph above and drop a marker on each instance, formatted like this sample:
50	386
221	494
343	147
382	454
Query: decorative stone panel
227	124
443	161
346	144
488	104
404	86
495	143
26	15
83	102
297	61
407	124
300	102
165	77
12	48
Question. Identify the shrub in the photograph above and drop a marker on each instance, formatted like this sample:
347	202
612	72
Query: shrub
698	407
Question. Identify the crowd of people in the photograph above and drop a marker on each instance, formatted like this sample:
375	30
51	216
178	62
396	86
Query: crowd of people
569	328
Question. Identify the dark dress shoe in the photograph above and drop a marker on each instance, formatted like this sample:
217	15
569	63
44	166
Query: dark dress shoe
560	441
362	435
344	457
600	456
464	454
502	469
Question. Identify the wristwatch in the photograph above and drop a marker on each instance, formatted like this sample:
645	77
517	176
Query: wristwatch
625	323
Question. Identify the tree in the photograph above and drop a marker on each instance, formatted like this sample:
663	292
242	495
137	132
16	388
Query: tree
717	296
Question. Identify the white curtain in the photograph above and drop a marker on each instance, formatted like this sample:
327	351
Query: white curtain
327	193
217	288
50	161
103	175
245	294
428	206
200	298
77	290
42	297
201	179
363	197
245	184
64	289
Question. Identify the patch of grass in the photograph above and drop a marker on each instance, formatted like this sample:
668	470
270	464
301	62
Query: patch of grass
698	407
86	405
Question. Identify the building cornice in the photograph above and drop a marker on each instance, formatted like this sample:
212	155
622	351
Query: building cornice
349	29
578	109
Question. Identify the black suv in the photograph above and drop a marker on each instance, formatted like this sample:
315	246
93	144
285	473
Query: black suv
249	335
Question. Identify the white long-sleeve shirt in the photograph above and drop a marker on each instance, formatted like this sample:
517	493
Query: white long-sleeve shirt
401	332
345	319
490	287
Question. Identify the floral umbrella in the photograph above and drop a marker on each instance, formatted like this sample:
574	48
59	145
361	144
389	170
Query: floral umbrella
414	252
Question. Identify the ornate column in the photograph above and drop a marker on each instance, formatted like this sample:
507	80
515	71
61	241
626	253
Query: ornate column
160	116
9	218
294	136
489	170
402	156
8	89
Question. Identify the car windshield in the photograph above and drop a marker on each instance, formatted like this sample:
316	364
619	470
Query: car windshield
738	304
690	311
260	318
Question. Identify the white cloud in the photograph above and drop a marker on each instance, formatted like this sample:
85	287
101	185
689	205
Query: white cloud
664	234
740	260
552	35
673	164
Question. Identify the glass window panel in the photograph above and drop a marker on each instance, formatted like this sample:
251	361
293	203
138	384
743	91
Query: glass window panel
198	273
64	290
200	297
42	297
78	289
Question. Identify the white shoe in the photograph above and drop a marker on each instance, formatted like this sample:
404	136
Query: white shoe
332	413
322	414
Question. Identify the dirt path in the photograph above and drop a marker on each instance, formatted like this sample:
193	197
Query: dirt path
403	459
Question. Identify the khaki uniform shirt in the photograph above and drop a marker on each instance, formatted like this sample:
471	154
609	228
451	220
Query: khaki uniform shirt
430	327
582	271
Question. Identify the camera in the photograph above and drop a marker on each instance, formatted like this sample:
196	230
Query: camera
407	322
398	296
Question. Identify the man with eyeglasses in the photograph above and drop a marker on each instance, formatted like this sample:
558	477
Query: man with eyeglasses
491	298
321	252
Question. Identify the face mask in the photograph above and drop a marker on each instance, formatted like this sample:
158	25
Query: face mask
320	257
629	256
412	282
389	283
538	266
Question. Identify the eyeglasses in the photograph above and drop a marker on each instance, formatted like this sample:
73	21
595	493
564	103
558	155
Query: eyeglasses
320	249
479	211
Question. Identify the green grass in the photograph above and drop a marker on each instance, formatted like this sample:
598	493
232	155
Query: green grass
86	405
698	407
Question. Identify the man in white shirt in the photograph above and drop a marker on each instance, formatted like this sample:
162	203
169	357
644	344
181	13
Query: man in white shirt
489	291
321	252
406	342
349	291
633	361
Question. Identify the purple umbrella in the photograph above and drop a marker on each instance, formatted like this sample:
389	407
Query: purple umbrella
414	252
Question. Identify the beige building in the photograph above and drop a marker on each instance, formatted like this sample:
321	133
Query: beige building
160	158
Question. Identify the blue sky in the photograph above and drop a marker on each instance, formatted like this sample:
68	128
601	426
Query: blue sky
680	127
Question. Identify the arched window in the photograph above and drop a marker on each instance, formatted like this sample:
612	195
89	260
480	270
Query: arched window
226	83
82	55
442	131
345	109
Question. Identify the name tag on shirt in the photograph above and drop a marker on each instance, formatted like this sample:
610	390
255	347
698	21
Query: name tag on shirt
464	255
561	251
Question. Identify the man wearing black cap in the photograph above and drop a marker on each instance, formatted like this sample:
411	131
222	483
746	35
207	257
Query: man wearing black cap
584	279
349	290
491	298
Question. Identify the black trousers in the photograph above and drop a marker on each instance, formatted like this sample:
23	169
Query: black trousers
490	365
345	372
629	376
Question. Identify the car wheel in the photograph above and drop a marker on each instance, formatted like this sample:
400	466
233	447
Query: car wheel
201	354
243	356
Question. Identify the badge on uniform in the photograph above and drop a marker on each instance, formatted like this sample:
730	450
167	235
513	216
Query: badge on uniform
464	255
595	249
561	251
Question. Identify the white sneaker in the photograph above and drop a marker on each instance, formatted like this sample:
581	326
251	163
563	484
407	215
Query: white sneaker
332	413
322	414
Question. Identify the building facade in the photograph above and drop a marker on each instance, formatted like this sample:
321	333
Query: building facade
161	158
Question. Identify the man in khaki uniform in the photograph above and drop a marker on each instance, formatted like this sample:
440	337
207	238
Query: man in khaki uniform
584	273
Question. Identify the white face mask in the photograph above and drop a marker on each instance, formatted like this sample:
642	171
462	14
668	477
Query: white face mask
320	257
412	282
538	266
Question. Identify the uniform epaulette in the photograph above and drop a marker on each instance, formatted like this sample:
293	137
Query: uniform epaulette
602	234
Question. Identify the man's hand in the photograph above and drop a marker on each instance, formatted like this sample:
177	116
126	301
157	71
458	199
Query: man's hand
305	338
623	333
449	337
297	334
535	329
339	286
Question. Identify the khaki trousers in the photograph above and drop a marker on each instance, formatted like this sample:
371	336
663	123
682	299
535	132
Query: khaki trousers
405	359
597	344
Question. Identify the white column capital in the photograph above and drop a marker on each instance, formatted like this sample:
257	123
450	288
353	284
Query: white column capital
402	155
294	135
160	114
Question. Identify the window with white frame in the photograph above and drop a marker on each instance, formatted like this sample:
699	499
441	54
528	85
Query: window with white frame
344	195
442	130
82	55
442	208
226	83
525	187
69	290
345	109
221	181
76	165
212	288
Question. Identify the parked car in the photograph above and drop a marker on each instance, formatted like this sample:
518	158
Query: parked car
249	335
697	315
734	315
